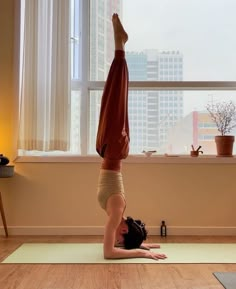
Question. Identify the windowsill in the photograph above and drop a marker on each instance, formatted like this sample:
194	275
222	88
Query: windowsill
162	159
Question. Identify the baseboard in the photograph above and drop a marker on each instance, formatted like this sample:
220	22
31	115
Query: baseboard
98	230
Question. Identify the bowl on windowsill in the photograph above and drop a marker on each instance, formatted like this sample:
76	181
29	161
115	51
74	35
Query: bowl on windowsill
6	171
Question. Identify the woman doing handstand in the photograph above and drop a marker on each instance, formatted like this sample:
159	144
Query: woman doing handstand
123	237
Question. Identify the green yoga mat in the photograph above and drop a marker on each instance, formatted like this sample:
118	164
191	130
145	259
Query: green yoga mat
93	253
227	279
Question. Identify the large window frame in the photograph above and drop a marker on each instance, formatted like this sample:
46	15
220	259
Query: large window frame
86	86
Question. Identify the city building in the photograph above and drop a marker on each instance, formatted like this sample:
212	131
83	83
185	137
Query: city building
153	113
197	129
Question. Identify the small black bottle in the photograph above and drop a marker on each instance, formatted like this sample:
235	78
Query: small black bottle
163	229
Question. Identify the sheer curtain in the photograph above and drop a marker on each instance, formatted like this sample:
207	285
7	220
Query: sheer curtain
45	76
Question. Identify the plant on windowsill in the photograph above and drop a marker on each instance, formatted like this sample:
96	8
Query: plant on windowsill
223	114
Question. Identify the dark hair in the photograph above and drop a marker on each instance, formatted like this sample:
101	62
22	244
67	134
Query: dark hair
136	233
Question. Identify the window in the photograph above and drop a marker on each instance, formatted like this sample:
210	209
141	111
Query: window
177	64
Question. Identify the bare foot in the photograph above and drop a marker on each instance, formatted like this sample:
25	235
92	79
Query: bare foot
120	35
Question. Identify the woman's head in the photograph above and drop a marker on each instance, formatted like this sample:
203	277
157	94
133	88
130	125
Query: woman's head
136	234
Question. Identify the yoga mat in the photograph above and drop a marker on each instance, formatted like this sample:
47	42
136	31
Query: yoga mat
227	279
93	253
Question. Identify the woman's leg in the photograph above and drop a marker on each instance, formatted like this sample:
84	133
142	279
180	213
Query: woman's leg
113	131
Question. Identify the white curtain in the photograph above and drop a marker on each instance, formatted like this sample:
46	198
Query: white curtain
45	76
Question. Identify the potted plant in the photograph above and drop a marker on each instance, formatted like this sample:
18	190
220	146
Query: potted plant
223	115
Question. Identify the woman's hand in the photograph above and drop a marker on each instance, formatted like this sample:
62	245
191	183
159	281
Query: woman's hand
155	255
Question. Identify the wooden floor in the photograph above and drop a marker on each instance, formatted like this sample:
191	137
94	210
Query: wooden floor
109	276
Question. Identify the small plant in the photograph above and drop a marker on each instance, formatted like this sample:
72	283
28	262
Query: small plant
224	115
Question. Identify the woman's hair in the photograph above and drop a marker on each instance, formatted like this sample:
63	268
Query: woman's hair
136	233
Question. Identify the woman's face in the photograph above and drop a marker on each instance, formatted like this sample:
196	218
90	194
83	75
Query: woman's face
120	232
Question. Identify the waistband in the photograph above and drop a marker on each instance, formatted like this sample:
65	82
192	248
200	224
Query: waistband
119	54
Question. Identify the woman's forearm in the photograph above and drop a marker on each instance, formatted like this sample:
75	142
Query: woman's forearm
119	253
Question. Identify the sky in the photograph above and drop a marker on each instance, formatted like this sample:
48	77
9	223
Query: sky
203	30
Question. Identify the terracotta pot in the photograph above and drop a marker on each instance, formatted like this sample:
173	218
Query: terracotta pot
224	145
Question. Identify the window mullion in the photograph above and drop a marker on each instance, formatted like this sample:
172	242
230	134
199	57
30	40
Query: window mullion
175	85
84	113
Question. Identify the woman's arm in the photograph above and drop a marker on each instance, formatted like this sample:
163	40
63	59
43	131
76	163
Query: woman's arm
113	221
149	246
112	252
